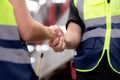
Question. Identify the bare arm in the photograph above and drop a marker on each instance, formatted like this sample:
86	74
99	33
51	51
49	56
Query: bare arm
30	30
73	35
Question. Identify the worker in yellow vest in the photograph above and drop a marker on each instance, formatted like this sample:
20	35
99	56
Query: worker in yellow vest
93	30
16	27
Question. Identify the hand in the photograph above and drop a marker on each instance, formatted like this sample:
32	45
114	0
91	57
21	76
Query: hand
58	43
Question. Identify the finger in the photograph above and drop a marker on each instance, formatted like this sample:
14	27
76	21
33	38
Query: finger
63	46
58	30
59	45
56	41
50	43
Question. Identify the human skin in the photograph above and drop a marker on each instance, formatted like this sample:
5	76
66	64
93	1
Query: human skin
29	29
70	39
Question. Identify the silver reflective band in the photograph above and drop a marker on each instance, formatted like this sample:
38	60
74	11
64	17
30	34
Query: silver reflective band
95	22
99	32
80	9
9	32
14	55
116	19
115	33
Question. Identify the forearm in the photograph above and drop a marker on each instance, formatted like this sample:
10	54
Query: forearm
71	42
29	29
35	31
73	36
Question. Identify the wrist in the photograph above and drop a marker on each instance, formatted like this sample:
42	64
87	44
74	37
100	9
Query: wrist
51	33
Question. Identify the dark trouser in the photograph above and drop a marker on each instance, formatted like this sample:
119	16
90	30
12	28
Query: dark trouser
102	72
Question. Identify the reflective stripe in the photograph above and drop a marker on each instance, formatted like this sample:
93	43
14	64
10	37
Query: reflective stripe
80	8
14	55
115	19
11	48
9	32
100	32
95	22
115	33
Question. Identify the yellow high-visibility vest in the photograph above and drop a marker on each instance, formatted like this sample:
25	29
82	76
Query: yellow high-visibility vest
102	22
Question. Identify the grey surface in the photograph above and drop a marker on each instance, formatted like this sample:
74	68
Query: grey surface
51	60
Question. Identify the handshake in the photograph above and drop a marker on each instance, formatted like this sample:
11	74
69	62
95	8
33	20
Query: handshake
57	42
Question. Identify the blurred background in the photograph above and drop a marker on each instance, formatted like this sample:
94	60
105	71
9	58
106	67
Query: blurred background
52	65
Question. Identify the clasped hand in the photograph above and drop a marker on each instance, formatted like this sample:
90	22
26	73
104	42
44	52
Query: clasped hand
58	42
